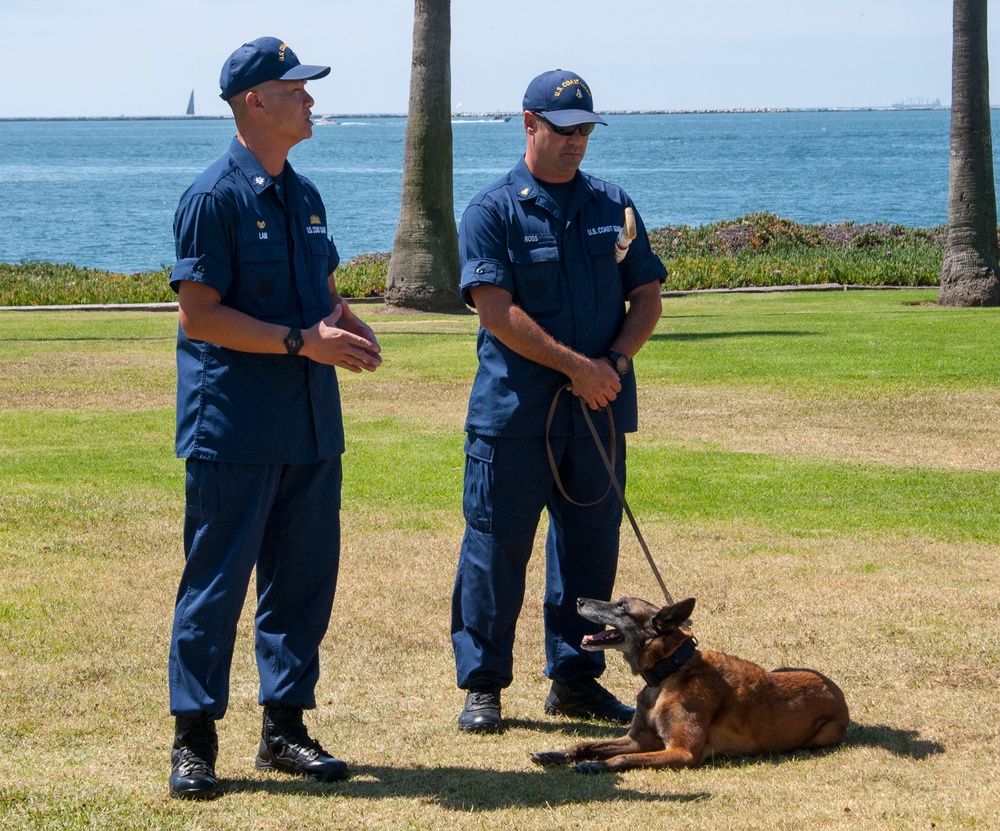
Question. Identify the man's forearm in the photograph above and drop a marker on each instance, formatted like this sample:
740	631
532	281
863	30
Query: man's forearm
644	311
516	329
592	379
204	318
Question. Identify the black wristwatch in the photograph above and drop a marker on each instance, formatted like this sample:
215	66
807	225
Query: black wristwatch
293	341
621	363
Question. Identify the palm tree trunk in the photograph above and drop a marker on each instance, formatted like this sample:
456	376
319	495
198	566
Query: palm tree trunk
970	275
424	266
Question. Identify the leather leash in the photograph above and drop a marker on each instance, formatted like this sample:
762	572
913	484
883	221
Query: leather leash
609	464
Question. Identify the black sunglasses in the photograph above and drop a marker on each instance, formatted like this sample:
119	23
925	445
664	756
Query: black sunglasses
584	129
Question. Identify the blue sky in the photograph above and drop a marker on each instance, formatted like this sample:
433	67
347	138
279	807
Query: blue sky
143	57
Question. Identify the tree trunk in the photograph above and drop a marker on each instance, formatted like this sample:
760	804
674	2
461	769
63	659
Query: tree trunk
970	275
424	267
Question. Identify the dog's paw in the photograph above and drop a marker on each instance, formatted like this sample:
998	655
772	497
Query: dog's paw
590	768
549	758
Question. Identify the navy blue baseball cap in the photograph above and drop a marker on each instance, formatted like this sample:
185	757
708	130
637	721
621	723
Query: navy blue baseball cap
563	98
264	59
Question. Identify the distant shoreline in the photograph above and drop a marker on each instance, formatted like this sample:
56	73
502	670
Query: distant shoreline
733	110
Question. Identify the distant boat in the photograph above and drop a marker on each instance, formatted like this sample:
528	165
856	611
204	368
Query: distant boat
324	119
470	118
190	110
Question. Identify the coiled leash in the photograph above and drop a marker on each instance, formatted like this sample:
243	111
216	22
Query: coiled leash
609	464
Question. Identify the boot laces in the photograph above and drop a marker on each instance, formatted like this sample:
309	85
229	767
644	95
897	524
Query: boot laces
294	732
192	761
590	688
195	751
482	699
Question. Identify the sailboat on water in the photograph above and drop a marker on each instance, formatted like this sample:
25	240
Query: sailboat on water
190	109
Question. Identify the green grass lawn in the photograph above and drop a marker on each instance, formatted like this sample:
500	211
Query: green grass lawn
821	470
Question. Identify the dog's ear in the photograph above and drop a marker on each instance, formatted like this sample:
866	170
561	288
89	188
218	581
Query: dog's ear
670	617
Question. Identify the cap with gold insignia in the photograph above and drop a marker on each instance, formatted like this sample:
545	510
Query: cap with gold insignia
264	59
563	98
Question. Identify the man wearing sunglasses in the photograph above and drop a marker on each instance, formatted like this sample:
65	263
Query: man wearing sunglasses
556	311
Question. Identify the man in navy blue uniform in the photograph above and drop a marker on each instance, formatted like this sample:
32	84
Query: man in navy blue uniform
556	310
262	329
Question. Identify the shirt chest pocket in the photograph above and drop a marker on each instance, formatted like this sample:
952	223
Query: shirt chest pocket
604	267
265	277
319	255
536	276
316	291
602	242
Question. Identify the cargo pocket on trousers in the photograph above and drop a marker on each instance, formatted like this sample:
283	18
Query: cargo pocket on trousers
477	502
206	482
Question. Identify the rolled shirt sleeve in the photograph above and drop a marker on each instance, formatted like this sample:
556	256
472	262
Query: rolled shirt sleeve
203	235
483	251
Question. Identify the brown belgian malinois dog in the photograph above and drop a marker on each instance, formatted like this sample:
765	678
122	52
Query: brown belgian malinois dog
697	704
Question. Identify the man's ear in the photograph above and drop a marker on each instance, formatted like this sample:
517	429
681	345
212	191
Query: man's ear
253	101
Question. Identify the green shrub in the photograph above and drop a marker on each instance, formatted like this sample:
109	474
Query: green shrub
363	276
755	250
54	284
767	250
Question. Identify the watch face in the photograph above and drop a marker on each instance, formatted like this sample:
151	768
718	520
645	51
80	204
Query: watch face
621	367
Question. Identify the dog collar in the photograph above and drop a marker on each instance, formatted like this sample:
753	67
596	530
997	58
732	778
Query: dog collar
663	669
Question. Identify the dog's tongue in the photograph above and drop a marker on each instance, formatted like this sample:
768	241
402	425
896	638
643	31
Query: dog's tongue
600	636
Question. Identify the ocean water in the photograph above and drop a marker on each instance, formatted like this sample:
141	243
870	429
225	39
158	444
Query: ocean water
102	193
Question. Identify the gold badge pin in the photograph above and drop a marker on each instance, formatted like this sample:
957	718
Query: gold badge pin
261	224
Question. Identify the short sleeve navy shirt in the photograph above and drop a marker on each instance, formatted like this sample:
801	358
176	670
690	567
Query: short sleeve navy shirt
233	233
560	268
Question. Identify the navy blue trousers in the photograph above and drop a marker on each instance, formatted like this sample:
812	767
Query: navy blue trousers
508	482
285	521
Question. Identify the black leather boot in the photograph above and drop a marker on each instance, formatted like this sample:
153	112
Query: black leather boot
286	745
192	760
481	713
585	698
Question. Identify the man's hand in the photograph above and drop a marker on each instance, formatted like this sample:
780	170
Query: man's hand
592	379
596	382
343	340
354	324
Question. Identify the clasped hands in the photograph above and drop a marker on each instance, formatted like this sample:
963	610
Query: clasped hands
343	340
596	382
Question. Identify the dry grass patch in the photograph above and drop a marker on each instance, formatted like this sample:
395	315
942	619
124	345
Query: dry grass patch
906	626
953	429
438	404
80	378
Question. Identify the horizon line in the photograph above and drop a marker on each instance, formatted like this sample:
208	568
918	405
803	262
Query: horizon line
680	111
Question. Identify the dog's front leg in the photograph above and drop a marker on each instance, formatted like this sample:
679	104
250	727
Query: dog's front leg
670	758
588	750
685	749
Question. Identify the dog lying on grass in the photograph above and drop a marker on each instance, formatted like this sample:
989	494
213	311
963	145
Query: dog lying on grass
697	704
